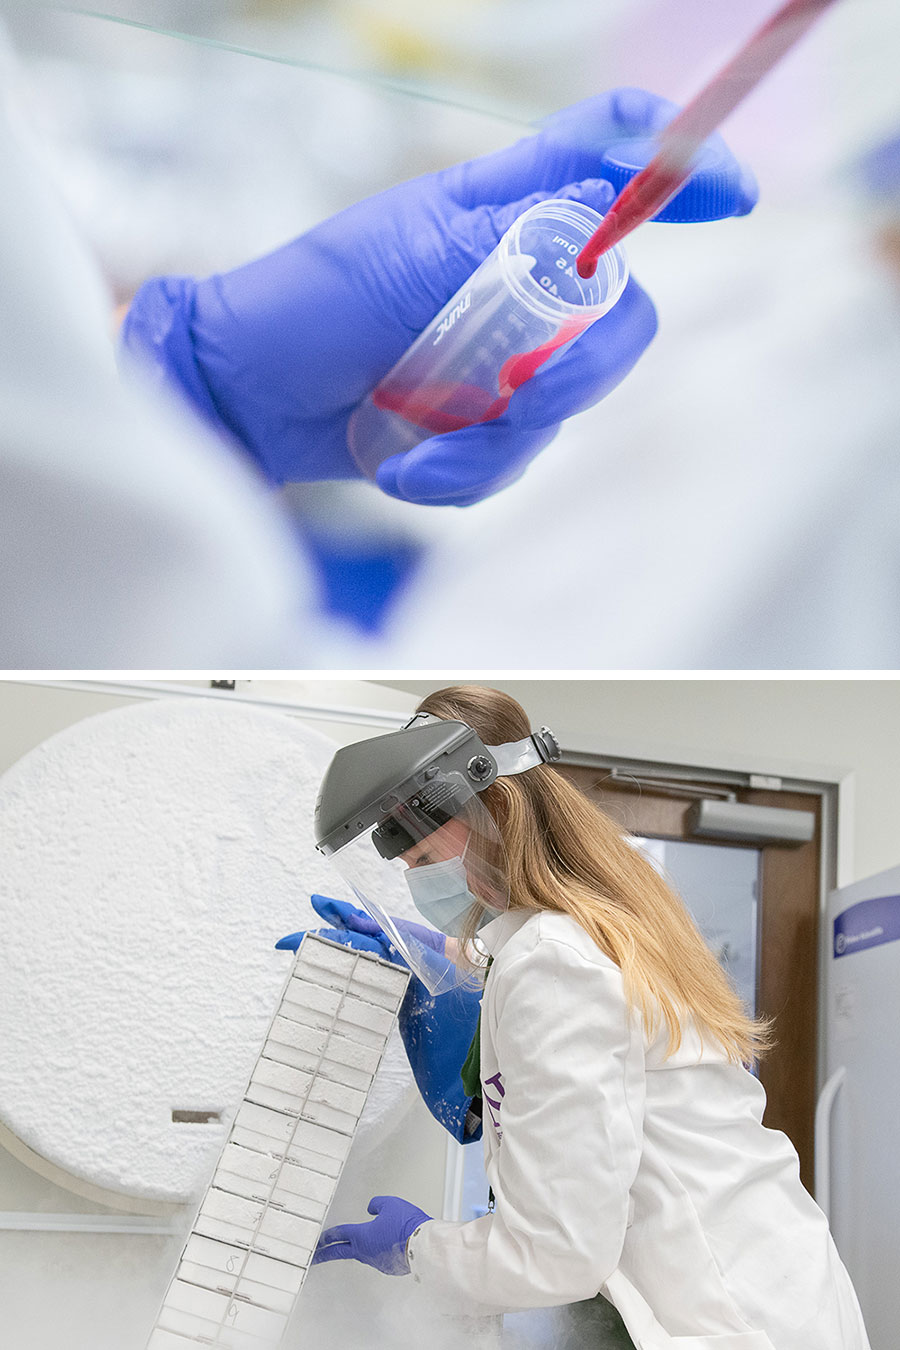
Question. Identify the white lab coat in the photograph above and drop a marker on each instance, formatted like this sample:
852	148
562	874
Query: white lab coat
651	1180
129	536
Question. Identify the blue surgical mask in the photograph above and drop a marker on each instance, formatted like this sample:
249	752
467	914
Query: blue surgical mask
440	892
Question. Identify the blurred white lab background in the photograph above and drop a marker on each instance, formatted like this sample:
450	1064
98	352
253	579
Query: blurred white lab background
155	841
734	502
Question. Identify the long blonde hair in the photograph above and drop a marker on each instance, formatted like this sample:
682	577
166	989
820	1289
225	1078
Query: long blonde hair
564	854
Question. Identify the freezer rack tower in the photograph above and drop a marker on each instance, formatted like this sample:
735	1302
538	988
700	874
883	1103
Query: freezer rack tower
251	1244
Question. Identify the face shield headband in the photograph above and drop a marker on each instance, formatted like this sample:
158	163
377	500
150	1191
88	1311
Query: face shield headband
440	800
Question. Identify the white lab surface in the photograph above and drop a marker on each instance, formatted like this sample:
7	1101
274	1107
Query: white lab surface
616	1169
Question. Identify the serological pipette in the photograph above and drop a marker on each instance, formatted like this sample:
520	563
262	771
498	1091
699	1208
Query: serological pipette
648	192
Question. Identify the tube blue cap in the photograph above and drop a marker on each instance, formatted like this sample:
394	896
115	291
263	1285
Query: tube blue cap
881	169
711	193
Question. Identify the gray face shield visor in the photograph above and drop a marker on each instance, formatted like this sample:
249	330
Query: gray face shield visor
402	820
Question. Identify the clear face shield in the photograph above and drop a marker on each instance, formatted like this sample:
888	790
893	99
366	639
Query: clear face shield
435	862
402	818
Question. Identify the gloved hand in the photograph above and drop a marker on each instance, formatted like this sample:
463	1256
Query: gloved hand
381	1243
357	929
279	352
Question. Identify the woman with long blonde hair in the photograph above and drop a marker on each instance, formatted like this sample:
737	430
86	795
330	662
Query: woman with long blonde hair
609	1070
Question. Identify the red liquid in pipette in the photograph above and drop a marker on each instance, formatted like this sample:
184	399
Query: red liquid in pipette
638	201
679	142
439	408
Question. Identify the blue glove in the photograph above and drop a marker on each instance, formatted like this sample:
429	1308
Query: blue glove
279	352
437	1034
357	929
381	1243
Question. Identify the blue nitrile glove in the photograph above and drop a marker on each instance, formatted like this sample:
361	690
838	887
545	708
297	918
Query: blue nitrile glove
279	352
437	1033
381	1243
357	929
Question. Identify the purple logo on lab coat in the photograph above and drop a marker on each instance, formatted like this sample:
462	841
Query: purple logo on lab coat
492	1102
867	924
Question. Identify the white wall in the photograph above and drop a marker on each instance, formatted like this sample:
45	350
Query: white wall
824	730
30	713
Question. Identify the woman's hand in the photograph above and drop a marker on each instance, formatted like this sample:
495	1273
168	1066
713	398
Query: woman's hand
381	1243
355	928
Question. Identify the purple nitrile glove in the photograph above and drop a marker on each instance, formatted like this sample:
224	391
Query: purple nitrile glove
357	929
381	1243
278	353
